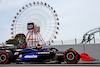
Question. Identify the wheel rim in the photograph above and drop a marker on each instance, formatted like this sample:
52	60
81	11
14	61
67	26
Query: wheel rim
70	56
3	58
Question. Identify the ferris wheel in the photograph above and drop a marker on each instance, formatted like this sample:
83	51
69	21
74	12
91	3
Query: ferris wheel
44	18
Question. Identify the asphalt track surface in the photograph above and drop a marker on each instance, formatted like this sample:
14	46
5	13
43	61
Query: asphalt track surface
50	65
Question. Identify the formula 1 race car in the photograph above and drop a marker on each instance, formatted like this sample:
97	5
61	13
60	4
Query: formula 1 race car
10	54
52	55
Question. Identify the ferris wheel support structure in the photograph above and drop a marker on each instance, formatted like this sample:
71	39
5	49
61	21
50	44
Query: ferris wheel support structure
37	37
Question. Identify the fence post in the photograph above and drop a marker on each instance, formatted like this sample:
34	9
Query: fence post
75	41
62	42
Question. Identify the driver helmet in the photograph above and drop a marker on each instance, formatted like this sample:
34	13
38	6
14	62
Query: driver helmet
39	46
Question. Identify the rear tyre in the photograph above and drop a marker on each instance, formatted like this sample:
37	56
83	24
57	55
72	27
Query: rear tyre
71	57
4	57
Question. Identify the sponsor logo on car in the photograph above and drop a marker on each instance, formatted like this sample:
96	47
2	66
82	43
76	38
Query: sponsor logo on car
43	52
59	54
7	50
16	53
30	56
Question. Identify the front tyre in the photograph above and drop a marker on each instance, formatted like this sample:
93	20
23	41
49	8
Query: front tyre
4	57
71	57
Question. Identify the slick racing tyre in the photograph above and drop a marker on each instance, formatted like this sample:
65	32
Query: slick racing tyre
71	57
4	57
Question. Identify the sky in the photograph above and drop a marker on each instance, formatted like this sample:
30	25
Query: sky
76	17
